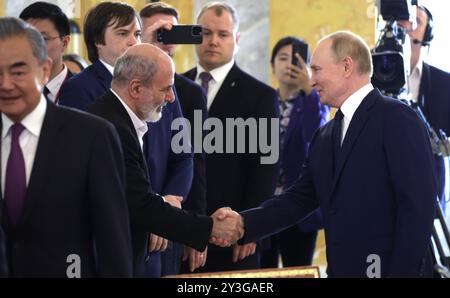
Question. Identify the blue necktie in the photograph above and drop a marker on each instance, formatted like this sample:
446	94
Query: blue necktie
15	179
337	135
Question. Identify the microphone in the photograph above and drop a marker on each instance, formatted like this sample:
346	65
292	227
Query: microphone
423	43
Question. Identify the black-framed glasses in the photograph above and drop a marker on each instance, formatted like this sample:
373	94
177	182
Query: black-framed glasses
48	38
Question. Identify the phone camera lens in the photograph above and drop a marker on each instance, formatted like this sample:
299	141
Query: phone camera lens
197	31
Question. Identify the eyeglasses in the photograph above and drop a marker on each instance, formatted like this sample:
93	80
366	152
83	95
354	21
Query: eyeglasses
48	39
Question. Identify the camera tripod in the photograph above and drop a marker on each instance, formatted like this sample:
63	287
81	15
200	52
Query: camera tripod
440	146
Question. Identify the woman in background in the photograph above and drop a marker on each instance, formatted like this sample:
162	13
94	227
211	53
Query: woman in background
74	63
301	113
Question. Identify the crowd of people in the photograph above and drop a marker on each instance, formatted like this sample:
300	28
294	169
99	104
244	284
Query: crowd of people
88	167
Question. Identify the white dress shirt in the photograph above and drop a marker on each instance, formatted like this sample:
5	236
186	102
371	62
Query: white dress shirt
55	84
414	81
350	106
139	125
28	139
108	67
218	76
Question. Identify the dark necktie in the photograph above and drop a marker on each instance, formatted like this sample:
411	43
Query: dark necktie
205	77
15	179
337	135
46	92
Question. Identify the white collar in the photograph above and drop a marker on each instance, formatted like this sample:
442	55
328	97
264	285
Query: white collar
218	74
55	84
418	68
108	67
139	125
352	103
32	122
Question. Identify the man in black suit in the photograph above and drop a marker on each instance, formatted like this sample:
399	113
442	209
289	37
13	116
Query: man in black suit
429	86
370	170
65	213
237	180
192	98
3	259
54	26
141	86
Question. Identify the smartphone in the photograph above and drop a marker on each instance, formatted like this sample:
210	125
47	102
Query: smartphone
181	34
303	50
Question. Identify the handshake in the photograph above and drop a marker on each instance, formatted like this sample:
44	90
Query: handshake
228	227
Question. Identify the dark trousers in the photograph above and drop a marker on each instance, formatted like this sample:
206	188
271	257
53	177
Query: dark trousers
171	259
295	247
221	259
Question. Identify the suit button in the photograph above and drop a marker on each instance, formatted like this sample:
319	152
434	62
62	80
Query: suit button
332	211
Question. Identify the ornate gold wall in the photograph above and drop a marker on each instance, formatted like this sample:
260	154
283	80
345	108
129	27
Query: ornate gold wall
312	19
2	8
309	19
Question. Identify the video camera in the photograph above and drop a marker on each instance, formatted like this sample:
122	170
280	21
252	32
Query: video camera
391	55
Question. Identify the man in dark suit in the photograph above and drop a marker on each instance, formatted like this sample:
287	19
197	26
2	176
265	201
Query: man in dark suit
429	87
65	213
191	97
109	29
54	26
3	259
141	86
370	170
238	180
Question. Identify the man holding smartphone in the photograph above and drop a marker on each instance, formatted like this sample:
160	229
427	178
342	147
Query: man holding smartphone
156	16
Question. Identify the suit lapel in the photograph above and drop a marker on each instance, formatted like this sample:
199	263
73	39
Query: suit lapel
355	128
423	88
120	110
221	101
103	74
46	149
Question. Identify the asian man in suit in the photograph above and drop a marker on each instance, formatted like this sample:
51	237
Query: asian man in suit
370	170
54	26
64	207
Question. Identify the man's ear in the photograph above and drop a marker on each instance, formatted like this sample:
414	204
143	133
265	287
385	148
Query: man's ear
65	41
134	88
46	70
349	66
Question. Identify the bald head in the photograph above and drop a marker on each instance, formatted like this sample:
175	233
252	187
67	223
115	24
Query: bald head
141	62
143	78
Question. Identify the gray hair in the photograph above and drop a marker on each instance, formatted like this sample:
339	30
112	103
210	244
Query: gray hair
14	27
219	7
129	67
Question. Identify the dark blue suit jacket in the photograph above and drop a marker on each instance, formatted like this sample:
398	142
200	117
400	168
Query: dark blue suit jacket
307	115
380	201
434	96
193	98
82	89
434	99
170	173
